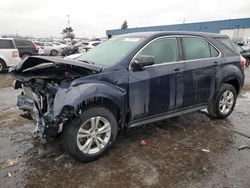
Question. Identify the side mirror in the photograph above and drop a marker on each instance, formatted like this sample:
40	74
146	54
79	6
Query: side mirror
142	61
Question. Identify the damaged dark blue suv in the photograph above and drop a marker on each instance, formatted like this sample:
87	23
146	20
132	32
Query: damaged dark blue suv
127	81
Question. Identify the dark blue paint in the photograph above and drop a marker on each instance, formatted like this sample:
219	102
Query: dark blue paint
152	91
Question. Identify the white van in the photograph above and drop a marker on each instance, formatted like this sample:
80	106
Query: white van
9	54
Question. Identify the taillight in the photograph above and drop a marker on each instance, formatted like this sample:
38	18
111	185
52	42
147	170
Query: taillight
243	62
14	54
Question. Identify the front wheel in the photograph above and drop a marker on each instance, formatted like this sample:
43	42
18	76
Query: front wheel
89	137
224	102
2	66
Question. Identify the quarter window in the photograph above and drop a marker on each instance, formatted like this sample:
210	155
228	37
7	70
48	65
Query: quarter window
214	52
163	50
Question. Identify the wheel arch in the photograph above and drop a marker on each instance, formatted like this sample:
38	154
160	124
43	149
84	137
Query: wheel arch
230	74
3	60
77	99
105	102
234	81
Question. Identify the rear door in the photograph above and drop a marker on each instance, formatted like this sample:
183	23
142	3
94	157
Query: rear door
152	90
201	60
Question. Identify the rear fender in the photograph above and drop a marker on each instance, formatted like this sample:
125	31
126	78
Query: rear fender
229	72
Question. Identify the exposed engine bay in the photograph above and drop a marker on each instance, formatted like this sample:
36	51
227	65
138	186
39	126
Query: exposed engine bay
39	78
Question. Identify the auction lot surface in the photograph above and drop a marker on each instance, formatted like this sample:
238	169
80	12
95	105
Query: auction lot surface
189	151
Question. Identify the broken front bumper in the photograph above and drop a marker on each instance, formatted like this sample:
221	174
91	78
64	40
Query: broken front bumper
45	126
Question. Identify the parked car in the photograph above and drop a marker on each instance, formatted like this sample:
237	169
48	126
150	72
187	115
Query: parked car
60	44
129	80
51	49
8	54
71	49
40	46
80	47
244	53
88	46
26	48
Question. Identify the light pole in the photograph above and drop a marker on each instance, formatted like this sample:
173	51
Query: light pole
68	19
68	26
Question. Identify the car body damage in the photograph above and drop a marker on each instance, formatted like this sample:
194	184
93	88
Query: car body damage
127	81
57	89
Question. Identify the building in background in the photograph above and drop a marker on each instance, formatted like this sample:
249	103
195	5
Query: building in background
238	29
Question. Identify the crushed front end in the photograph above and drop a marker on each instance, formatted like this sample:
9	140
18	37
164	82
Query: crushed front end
40	78
37	99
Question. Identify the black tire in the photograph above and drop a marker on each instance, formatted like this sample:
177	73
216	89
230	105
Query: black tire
54	52
247	62
214	108
24	55
2	66
70	140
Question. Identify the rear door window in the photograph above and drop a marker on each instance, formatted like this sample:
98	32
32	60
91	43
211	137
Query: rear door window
198	48
163	50
6	44
195	48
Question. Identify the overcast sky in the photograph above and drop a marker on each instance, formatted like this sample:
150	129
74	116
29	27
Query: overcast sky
46	18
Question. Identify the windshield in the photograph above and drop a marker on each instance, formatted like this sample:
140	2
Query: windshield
111	51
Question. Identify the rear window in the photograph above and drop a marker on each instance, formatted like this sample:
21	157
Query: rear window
6	44
23	43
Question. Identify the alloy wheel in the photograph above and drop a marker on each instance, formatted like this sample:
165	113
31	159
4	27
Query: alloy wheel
93	135
226	101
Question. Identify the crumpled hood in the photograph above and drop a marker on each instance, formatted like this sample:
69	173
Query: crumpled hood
35	61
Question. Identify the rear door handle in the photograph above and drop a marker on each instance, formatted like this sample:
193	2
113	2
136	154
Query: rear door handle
176	70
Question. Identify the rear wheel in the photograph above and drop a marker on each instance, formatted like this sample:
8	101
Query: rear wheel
224	102
89	137
54	52
2	66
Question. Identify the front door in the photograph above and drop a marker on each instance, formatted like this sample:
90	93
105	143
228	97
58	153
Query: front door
152	90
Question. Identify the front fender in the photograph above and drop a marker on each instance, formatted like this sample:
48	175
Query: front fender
74	95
